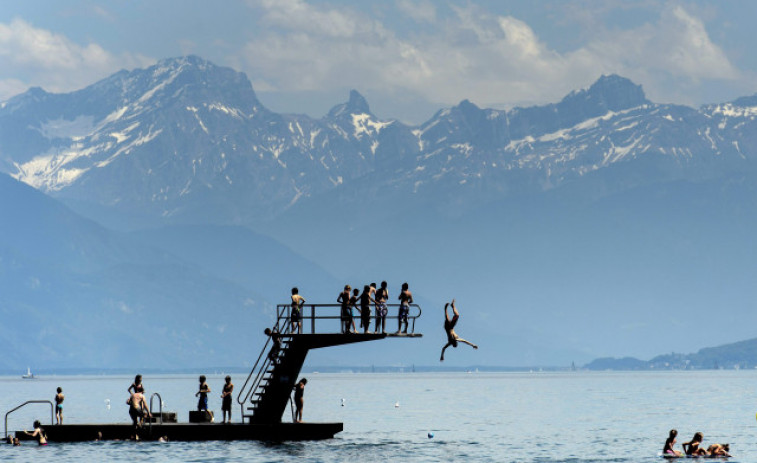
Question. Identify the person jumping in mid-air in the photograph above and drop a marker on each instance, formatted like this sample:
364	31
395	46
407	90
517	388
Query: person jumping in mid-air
449	327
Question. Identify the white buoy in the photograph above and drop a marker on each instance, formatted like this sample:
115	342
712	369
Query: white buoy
396	405
342	402
107	404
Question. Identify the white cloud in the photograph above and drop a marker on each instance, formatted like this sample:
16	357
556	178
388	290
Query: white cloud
43	58
487	58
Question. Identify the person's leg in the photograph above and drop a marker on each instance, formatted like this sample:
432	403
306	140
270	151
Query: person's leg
467	342
443	349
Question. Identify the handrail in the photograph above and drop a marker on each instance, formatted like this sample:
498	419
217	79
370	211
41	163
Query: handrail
244	391
52	412
160	409
313	317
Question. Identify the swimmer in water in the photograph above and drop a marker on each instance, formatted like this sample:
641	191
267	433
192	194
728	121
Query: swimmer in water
668	449
692	447
449	327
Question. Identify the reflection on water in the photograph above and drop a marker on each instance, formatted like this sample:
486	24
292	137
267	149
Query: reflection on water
518	417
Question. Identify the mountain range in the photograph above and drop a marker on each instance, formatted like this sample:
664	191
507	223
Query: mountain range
603	224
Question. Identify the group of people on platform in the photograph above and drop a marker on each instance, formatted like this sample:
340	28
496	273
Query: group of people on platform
378	296
352	299
138	408
693	448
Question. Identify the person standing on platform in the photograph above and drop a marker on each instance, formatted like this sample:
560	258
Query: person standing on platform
299	401
297	303
406	298
365	308
382	295
202	404
346	314
59	397
228	389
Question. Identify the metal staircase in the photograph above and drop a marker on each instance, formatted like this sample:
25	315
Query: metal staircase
268	388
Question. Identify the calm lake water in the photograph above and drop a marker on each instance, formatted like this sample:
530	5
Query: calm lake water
507	417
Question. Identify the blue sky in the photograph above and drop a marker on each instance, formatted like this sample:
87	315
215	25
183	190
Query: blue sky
409	58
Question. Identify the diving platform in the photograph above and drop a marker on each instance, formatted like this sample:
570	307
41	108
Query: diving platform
189	432
266	393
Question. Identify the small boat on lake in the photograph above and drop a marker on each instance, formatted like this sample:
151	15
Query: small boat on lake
28	374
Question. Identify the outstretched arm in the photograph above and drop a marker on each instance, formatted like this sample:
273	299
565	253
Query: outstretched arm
446	316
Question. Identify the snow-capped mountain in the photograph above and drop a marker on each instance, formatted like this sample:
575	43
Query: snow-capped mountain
186	140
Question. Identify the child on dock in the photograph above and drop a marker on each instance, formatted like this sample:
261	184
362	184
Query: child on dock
228	389
59	406
202	404
299	400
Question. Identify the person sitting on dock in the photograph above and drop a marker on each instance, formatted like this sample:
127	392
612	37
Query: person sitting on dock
39	433
449	327
406	298
692	447
202	404
273	355
137	408
297	303
299	401
668	450
59	406
344	299
228	389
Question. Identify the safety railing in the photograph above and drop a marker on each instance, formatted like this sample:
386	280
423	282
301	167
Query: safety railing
52	412
160	409
247	389
322	313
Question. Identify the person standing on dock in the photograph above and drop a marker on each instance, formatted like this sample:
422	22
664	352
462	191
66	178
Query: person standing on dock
202	404
297	303
382	295
59	397
406	298
299	401
228	389
449	327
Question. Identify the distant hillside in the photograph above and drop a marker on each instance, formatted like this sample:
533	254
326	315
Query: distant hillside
739	355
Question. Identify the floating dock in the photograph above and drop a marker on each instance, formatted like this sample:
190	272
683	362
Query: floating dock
263	397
